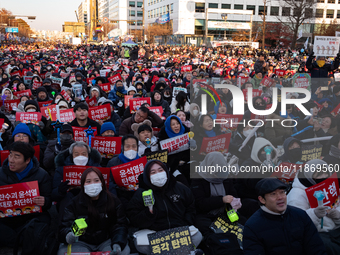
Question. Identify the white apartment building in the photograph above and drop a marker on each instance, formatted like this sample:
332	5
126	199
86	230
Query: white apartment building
83	12
187	18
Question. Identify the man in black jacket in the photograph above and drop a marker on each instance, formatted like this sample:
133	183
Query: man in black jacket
82	117
21	166
277	228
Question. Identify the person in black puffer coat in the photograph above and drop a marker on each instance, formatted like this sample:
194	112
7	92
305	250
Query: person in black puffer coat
157	100
103	213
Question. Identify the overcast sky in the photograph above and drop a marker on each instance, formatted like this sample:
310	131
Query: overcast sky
50	15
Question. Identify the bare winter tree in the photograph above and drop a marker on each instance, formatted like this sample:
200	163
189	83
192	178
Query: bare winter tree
295	13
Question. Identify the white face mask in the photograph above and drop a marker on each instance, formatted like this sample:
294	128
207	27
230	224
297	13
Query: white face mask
195	112
93	190
159	179
247	132
130	154
80	160
31	110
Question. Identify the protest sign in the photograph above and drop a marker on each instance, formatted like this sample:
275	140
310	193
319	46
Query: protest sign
113	79
174	241
36	84
185	69
175	144
336	76
17	199
127	100
47	111
56	80
26	92
327	46
226	121
11	104
302	80
73	174
28	117
89	80
217	143
104	72
91	101
107	146
135	103
126	175
27	79
44	103
287	171
256	93
176	90
310	152
330	188
241	80
158	155
66	115
106	87
79	134
102	112
4	153
267	82
280	72
336	110
158	110
65	95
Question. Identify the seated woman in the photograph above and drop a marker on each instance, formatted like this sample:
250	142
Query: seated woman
174	205
104	216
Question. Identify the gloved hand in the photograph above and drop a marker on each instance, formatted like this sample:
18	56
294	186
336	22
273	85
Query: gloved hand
63	187
192	144
334	214
320	211
116	250
71	238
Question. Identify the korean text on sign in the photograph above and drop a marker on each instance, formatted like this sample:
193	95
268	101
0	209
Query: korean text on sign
175	144
80	135
107	146
74	173
102	112
217	143
135	103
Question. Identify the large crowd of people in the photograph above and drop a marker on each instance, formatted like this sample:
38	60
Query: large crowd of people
276	214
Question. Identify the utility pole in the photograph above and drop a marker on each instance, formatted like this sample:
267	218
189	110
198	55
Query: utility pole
206	26
143	25
93	17
264	23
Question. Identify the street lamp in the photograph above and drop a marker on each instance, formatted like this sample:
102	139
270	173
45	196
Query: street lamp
224	17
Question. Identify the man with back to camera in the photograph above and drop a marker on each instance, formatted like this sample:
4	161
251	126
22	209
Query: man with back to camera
277	228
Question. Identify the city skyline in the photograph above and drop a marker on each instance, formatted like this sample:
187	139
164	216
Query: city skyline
55	13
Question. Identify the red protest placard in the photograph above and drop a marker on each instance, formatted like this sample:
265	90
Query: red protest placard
135	103
79	134
102	112
91	101
241	80
45	113
36	84
74	173
10	104
107	146
65	95
105	87
267	82
26	92
227	121
4	153
23	72
44	103
217	143
64	75
127	100
29	57
15	73
336	110
280	72
186	68
175	144
330	188
126	175
113	79
28	117
157	109
287	171
66	115
17	199
89	80
256	93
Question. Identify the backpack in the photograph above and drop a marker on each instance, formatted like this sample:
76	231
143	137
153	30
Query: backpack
35	239
223	243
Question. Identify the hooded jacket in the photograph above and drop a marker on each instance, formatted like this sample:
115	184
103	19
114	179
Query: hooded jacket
163	103
153	146
246	183
115	95
110	225
286	157
64	158
174	204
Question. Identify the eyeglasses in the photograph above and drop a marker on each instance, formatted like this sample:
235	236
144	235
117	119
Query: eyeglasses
21	136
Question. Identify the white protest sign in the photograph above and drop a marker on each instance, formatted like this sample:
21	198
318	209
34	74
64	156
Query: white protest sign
175	144
104	72
177	90
327	46
337	76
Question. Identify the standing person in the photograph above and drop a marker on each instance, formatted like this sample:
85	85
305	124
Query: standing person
277	228
261	66
103	213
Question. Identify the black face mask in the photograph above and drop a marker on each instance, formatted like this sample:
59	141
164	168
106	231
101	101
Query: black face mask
260	106
295	154
66	139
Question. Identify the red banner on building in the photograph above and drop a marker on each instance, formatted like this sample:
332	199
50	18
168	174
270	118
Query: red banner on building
330	188
26	92
17	199
126	175
74	173
102	112
79	135
107	146
217	143
28	117
135	103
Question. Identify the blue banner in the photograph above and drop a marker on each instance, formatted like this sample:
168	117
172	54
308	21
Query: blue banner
163	19
12	30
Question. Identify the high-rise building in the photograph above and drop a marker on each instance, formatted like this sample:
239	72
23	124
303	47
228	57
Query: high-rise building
103	9
83	12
